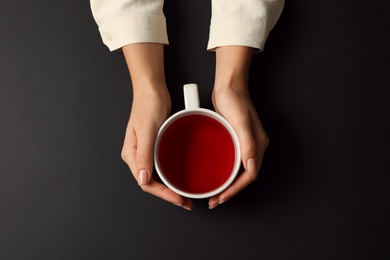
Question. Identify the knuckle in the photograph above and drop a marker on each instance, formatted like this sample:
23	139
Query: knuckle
125	155
142	158
250	145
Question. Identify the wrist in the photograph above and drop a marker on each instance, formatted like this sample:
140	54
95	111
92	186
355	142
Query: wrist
147	88
232	67
145	62
153	96
231	83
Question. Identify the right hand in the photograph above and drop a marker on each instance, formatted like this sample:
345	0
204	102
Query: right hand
149	111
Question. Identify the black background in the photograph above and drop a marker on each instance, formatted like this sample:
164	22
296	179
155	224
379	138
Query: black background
321	88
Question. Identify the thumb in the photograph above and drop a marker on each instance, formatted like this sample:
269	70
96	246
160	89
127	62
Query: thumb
144	156
247	146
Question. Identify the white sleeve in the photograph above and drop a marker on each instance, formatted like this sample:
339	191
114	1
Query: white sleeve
243	22
123	22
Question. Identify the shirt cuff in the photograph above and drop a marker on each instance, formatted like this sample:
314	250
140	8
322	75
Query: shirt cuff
242	33
134	29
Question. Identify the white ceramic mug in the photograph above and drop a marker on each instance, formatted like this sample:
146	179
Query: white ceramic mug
197	152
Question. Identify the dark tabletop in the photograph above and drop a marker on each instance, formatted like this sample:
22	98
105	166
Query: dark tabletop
321	88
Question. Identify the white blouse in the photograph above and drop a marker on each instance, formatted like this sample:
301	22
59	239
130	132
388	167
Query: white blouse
233	22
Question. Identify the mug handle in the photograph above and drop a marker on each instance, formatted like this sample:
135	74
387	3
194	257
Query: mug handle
191	96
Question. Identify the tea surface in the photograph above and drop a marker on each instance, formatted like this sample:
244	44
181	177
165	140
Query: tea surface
196	154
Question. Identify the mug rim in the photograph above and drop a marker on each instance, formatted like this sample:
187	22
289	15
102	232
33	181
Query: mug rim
226	124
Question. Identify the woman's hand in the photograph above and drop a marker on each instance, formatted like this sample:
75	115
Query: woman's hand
150	108
231	99
238	110
149	111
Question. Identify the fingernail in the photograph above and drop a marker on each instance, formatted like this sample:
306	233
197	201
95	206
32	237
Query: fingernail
183	206
143	177
187	208
224	200
251	165
213	206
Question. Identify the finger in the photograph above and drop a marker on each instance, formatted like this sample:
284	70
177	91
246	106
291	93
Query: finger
238	185
249	157
213	202
247	142
159	190
246	178
253	164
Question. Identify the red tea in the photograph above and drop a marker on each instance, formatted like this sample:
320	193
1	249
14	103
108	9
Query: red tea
196	154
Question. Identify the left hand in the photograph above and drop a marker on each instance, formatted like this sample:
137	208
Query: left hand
235	105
